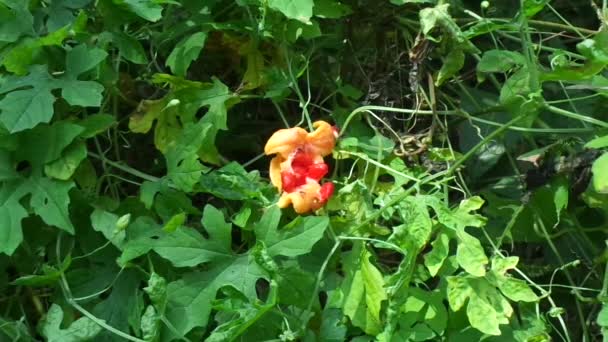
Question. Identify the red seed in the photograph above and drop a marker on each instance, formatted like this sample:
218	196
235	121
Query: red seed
289	181
301	159
326	191
317	171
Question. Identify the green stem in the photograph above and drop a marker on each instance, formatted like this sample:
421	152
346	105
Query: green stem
579	309
604	292
331	253
528	50
67	293
465	115
126	168
483	142
576	116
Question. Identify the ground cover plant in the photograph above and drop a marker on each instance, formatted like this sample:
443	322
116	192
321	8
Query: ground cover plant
448	182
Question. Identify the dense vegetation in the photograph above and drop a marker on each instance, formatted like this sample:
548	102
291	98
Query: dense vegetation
470	173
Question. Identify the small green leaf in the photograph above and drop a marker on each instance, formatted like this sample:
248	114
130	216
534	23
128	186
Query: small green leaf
423	316
185	52
439	16
175	222
49	277
602	316
82	93
595	51
560	198
149	10
470	255
232	182
24	109
434	259
403	2
452	63
516	86
96	124
105	223
157	291
64	167
333	329
300	10
416	232
11	214
50	200
82	330
502	265
129	47
331	9
51	140
148	191
150	324
18	59
517	290
82	58
600	174
598	143
496	61
482	315
531	7
458	291
183	165
15	21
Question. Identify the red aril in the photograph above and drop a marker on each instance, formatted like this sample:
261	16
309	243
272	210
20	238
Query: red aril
326	191
317	171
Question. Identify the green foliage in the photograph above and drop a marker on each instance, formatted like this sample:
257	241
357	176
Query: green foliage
471	198
82	329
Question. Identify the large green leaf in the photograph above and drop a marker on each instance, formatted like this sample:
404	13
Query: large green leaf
50	200
364	293
297	238
190	297
64	167
15	20
516	290
82	58
595	50
500	61
81	330
184	168
184	247
7	169
416	231
232	182
482	315
11	214
51	142
422	317
470	254
22	109
124	301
